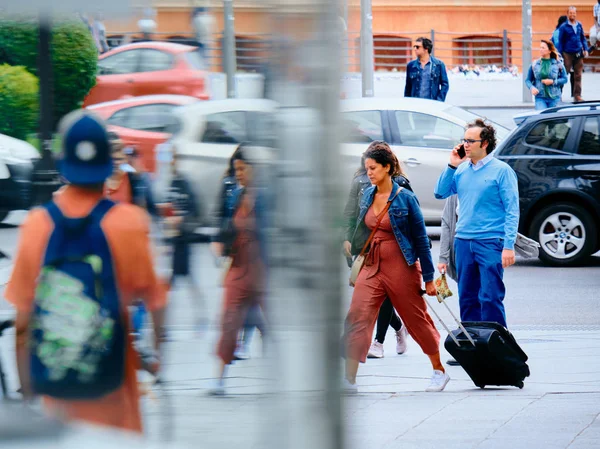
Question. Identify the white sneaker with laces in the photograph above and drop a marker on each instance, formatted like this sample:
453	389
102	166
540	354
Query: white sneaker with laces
375	351
439	380
348	388
401	340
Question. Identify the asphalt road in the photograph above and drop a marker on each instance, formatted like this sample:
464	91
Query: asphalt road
537	296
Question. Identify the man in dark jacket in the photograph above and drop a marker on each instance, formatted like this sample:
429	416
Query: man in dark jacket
426	76
573	46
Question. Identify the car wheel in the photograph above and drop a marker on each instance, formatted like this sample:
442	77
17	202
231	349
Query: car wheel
566	234
3	215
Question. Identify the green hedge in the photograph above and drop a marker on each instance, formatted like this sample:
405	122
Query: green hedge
74	57
19	105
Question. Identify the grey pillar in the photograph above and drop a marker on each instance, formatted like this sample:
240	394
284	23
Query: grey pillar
505	48
433	42
305	271
229	51
527	39
367	56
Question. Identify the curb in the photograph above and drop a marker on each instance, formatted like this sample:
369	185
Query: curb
516	106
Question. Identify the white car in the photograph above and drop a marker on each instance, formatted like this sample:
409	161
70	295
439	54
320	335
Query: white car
16	167
420	132
208	135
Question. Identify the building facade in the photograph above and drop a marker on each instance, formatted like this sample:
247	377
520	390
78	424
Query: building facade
472	32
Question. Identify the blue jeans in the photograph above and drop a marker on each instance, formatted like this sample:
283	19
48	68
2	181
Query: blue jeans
545	103
480	286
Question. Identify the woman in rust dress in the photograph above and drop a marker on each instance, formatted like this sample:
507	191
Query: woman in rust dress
391	268
241	238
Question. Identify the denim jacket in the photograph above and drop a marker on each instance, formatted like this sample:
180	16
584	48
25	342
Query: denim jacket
439	79
408	226
361	183
558	74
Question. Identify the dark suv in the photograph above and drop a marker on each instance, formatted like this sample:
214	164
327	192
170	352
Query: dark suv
556	155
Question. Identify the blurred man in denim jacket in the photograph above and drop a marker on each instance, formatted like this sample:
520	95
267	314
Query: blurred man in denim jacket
426	76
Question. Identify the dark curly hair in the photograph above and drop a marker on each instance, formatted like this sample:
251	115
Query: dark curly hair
381	153
488	133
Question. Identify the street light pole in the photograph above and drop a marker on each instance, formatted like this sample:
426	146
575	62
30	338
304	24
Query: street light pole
527	43
366	47
45	179
229	56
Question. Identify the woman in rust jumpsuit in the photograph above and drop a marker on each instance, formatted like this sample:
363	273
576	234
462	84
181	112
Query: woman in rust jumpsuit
391	268
242	239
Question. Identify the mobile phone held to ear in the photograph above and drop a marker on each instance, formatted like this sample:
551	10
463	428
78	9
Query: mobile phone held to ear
461	151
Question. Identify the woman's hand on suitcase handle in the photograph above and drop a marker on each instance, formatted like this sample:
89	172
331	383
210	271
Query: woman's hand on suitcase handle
430	288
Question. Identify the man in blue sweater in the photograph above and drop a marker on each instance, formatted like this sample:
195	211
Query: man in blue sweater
487	225
573	46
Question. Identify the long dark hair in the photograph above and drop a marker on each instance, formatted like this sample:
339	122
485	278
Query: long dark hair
552	48
395	166
561	20
230	172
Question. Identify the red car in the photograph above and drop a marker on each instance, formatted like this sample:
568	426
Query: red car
149	68
142	122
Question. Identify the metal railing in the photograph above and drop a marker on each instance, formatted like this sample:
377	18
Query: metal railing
393	50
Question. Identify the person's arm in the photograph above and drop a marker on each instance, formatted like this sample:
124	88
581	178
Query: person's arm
446	185
419	239
561	37
147	286
20	290
351	209
530	80
444	83
583	39
22	352
445	236
408	85
562	79
509	194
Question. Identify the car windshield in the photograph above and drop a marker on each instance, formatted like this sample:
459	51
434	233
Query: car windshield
468	116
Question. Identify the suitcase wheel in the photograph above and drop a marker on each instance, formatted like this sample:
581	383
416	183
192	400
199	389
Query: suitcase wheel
481	386
520	385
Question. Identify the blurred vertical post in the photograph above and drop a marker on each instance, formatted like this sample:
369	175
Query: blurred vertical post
45	176
229	51
527	42
305	268
367	57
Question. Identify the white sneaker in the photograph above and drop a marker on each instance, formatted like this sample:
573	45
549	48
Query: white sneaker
375	351
348	388
401	340
217	388
439	380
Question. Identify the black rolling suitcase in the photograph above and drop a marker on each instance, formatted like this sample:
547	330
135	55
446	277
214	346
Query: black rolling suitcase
491	356
487	351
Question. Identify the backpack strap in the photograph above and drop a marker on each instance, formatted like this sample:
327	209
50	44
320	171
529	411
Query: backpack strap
101	209
54	212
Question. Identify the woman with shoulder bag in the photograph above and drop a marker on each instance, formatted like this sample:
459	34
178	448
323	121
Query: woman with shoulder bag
387	316
221	247
245	281
391	231
546	76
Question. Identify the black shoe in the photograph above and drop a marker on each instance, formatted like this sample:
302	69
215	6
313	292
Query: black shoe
452	362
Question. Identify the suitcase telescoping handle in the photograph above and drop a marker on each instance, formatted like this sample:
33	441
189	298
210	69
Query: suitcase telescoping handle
462	328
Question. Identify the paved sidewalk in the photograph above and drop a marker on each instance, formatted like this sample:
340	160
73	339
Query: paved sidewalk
557	409
488	92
